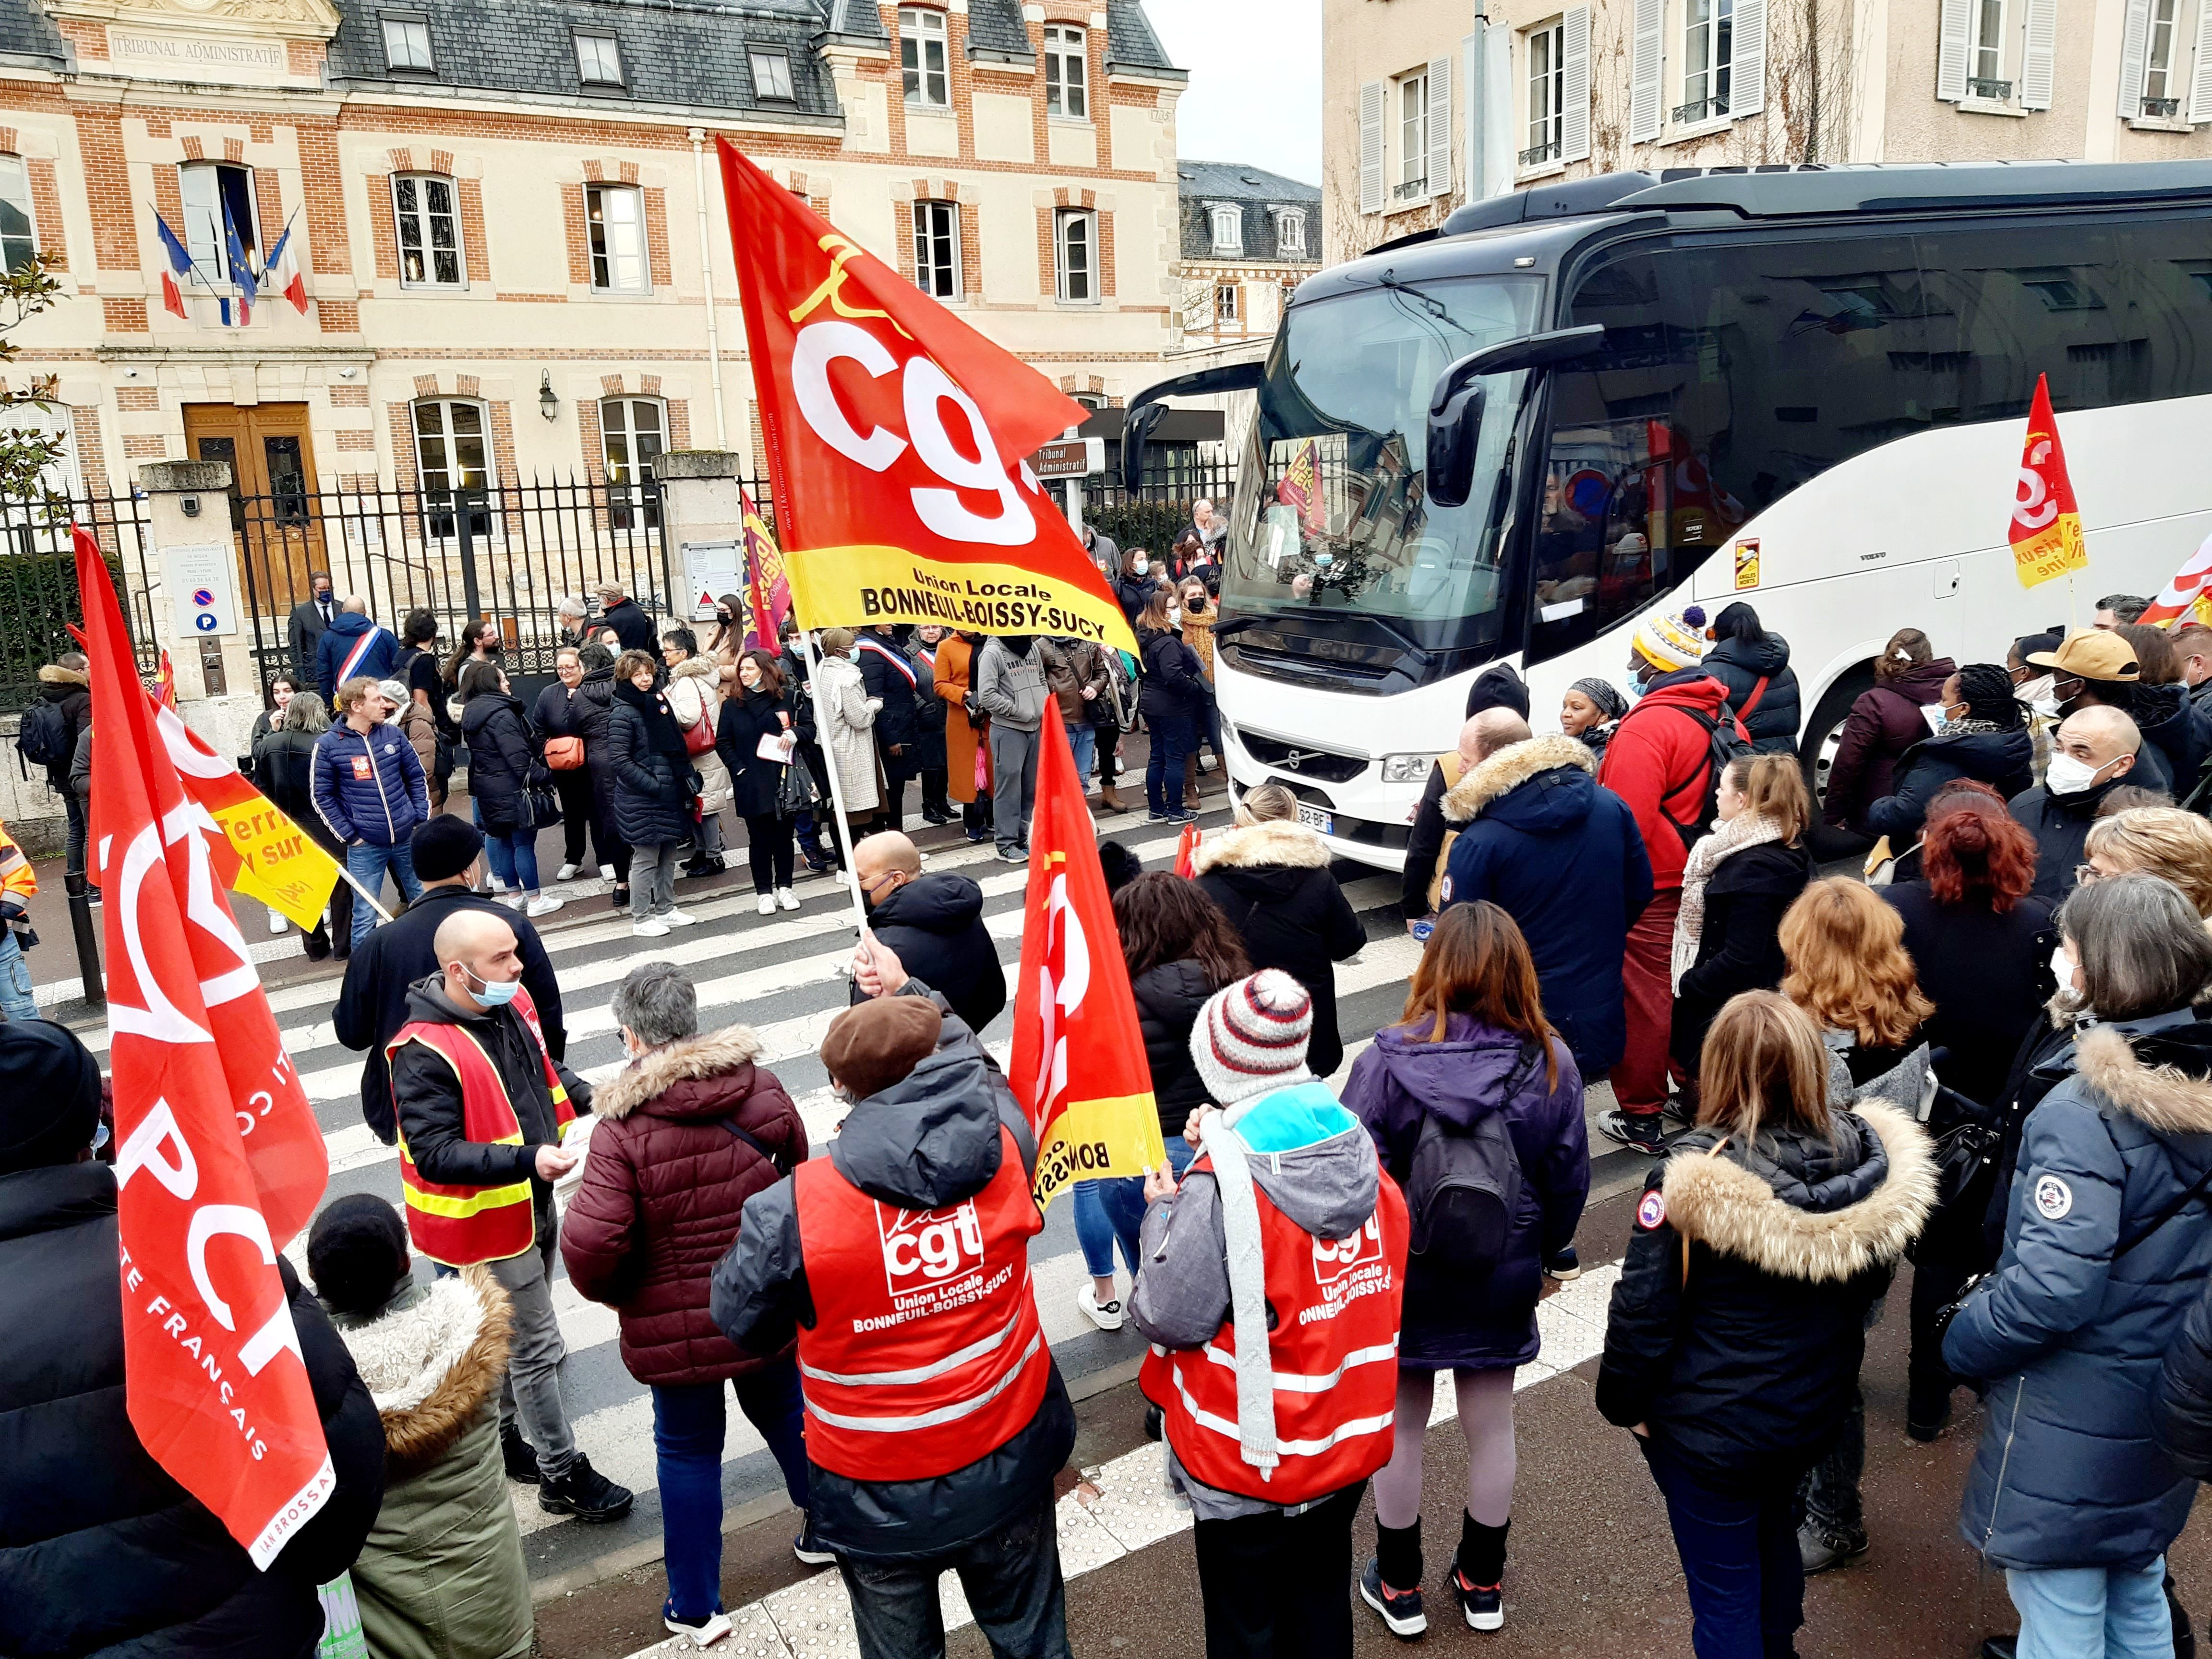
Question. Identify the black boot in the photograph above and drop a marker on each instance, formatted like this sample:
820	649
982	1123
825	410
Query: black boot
583	1492
516	1453
1479	1572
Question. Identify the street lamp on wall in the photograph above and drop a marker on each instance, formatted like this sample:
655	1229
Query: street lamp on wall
548	401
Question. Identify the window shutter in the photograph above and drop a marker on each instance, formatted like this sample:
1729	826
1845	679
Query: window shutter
1574	84
1646	59
2134	42
1440	145
2038	62
1748	75
2200	91
1951	49
1370	146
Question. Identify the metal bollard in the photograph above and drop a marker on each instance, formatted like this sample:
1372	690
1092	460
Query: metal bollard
88	947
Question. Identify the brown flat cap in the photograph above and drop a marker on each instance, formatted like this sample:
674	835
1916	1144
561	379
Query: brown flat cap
877	1044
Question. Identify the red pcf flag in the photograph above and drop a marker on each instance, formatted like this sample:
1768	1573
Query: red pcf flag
218	1161
2046	526
1078	1065
894	435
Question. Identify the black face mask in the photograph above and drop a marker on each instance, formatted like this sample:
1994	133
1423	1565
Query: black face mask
1019	644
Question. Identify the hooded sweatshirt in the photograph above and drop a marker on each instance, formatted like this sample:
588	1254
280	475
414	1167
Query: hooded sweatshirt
1659	760
1740	664
934	925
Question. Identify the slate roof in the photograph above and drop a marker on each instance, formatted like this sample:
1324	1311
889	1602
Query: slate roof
1203	184
689	54
1131	42
26	33
996	31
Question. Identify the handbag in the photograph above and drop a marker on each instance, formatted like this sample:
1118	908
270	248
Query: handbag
983	772
795	793
544	805
564	754
1882	863
699	736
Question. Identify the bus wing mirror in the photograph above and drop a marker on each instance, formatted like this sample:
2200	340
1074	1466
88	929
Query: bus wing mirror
1144	413
1456	405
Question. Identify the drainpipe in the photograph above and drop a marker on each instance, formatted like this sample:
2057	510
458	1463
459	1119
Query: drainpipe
1473	72
698	137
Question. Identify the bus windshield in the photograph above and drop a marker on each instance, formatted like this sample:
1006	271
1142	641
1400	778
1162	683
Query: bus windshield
1330	515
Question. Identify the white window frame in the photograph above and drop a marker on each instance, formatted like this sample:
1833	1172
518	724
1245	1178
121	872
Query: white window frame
937	231
15	194
778	87
627	270
439	522
1987	54
1290	231
1409	120
1545	51
414	32
204	237
1065	275
1227	222
592	66
1703	98
1067	72
425	244
923	36
2162	70
627	492
1225	308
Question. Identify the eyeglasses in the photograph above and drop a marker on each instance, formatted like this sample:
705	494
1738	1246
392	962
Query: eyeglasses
2085	873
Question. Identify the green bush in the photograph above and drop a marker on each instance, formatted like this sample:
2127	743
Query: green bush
39	600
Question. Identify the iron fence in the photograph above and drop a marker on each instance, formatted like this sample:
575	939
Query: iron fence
38	597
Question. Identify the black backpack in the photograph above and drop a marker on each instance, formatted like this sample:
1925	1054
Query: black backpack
44	737
1464	1189
1722	745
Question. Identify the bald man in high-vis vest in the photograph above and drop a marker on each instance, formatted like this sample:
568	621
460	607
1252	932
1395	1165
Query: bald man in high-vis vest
484	1108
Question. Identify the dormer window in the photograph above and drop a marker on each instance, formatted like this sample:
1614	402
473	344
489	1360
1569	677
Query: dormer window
771	75
598	59
1228	229
407	42
1290	231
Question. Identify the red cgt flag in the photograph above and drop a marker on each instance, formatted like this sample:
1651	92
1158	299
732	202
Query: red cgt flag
218	1159
1078	1065
2046	525
895	435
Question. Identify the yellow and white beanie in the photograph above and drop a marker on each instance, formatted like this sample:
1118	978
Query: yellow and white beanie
1671	642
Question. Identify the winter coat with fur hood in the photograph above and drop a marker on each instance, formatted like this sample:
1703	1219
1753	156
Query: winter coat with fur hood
2071	1330
663	1192
442	1571
72	692
694	695
1739	1320
1272	880
1564	858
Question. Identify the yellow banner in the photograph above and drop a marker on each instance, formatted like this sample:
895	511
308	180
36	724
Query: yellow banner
281	866
855	586
1096	1140
2051	553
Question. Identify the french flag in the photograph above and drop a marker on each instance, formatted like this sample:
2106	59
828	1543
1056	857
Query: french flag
181	264
281	274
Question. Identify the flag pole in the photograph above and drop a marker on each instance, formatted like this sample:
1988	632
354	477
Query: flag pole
369	897
836	782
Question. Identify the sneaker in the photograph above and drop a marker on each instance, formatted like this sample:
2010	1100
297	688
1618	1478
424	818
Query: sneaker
701	866
2001	1647
516	1453
276	922
1564	1266
1106	1315
678	918
318	943
768	904
1639	1131
808	1548
1013	855
785	899
1483	1605
93	896
618	898
1821	1547
703	1632
651	927
1156	818
1401	1609
1182	815
513	898
978	834
586	1493
606	872
1156	1423
1680	1108
565	872
542	906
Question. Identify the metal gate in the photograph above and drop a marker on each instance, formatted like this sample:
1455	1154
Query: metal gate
510	553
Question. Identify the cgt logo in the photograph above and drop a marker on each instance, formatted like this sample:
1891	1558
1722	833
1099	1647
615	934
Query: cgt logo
923	1248
1333	1259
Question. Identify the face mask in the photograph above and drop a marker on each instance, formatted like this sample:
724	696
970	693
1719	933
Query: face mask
1142	566
493	993
1175	616
2062	969
2070	776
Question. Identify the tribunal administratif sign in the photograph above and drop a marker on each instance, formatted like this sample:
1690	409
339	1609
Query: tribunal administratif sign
894	433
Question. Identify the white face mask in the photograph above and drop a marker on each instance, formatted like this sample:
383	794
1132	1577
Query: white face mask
2070	776
2036	694
2063	969
1140	566
1175	616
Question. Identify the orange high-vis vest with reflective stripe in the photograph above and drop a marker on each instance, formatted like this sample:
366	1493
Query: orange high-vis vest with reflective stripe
926	1353
1334	1353
459	1226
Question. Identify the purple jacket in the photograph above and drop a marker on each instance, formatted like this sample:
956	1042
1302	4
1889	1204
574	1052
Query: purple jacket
1882	725
1479	1068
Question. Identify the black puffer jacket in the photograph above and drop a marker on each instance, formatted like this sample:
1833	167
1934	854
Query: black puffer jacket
651	799
2181	1410
101	1552
889	673
1169	996
934	924
2175	738
1175	681
1272	881
503	753
72	693
2002	759
1739	664
1743	1368
1739	948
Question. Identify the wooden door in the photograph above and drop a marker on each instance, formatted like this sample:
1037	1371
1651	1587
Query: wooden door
273	499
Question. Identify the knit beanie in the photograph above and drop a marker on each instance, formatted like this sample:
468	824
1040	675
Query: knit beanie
49	1095
1251	1037
1604	695
444	846
1671	642
875	1044
356	1252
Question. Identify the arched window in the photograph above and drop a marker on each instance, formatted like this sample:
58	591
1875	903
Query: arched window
1228	230
427	221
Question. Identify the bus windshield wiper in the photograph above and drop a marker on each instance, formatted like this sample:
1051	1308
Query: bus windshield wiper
1237	625
1435	308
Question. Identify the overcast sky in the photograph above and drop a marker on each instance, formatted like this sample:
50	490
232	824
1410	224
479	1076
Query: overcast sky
1254	91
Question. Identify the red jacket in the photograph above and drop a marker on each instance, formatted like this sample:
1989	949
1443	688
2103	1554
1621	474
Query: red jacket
663	1188
1657	753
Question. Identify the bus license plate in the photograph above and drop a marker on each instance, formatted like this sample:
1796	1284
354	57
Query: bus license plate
1314	818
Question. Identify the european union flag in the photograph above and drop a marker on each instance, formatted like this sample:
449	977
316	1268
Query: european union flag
241	269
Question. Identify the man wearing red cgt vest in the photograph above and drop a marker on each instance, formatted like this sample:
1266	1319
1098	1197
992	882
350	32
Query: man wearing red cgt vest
1271	1288
935	1417
482	1107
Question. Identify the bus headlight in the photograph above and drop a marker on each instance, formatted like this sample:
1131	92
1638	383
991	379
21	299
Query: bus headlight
1407	769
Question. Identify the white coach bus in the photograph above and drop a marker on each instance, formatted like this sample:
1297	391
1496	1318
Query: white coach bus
1804	388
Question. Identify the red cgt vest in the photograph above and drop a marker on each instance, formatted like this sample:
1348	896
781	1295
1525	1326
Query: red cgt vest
461	1225
1335	1351
926	1353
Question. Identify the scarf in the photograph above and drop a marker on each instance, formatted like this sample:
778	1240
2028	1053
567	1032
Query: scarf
663	735
1733	836
1247	1301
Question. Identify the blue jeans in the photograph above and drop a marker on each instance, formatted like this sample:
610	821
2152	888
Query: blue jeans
514	859
1108	1212
1163	770
15	998
1083	740
2092	1613
366	865
1740	1563
687	1436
